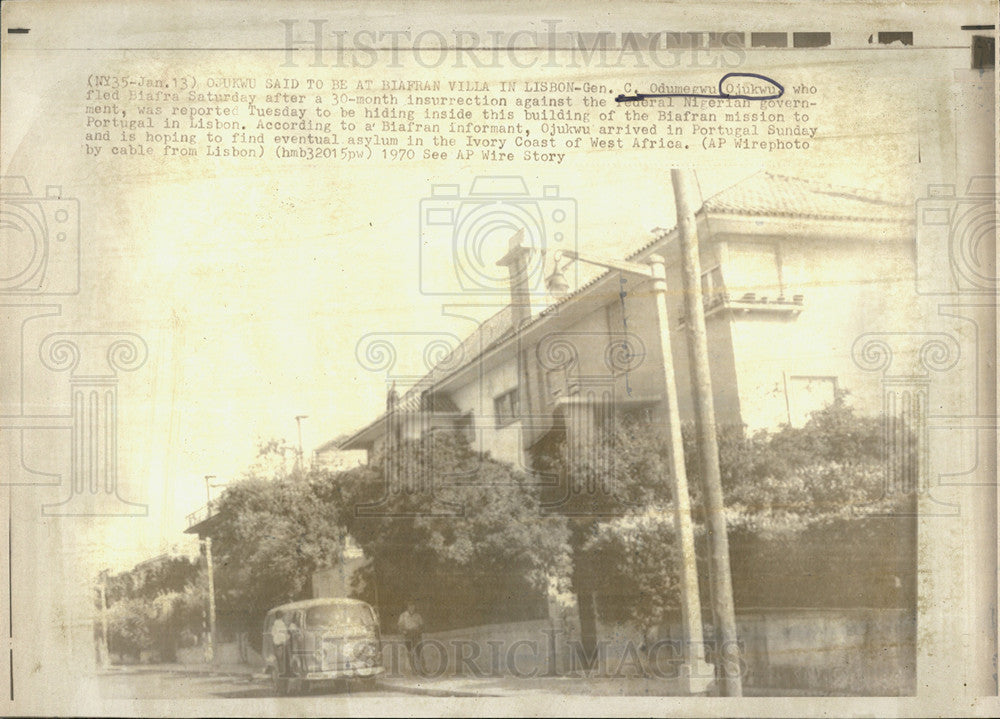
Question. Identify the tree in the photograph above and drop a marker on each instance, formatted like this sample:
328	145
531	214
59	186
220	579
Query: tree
150	578
814	518
457	529
172	613
272	534
637	580
151	604
129	632
831	468
612	488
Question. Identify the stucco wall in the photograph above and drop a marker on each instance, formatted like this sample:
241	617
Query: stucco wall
831	651
848	288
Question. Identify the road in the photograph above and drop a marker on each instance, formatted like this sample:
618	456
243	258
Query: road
169	685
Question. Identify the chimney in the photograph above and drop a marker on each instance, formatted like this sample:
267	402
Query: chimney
516	262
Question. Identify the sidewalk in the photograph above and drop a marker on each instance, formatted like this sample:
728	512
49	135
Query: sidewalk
445	686
566	686
205	669
511	686
470	686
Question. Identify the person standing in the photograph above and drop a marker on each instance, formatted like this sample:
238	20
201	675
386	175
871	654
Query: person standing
279	637
411	626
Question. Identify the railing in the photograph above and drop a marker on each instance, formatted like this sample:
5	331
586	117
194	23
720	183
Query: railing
748	302
200	514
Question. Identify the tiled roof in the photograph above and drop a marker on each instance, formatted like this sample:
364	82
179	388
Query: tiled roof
767	194
773	195
489	333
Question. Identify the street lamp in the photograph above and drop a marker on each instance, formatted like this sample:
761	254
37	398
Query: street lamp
298	422
697	674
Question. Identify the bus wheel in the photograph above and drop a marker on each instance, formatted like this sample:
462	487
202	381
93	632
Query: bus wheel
280	683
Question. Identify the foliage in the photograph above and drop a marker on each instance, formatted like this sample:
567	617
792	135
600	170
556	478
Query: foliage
129	624
620	470
456	529
152	604
789	494
275	460
637	557
799	477
173	613
272	534
463	532
149	579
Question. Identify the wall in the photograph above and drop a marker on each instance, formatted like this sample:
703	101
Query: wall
848	287
840	651
503	443
862	652
727	400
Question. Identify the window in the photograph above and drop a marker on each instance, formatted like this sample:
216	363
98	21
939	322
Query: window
713	291
506	407
338	615
560	384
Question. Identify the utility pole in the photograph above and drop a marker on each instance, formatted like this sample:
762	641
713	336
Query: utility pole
103	588
694	311
696	674
298	421
211	598
699	672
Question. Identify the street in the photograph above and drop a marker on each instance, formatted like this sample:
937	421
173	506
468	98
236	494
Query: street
166	684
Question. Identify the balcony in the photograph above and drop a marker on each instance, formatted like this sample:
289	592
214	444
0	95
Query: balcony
717	302
199	520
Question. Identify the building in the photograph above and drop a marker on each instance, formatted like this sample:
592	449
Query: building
329	456
793	273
